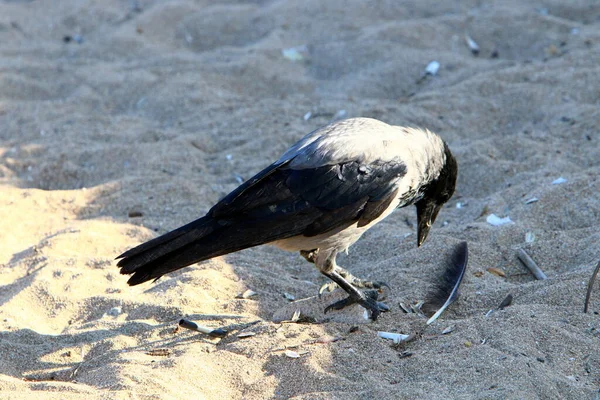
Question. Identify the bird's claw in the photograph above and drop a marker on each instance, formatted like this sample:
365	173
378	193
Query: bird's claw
329	287
368	301
376	285
359	283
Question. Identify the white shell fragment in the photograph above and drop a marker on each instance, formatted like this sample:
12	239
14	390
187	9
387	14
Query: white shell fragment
529	237
559	181
307	116
291	354
247	294
494	220
289	297
246	334
448	330
295	53
472	45
432	68
396	337
405	308
341	114
296	316
115	311
531	200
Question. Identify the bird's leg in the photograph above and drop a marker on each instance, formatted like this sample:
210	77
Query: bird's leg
356	282
311	255
325	261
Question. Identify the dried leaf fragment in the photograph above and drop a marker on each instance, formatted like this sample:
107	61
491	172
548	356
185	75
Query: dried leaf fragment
497	272
159	352
328	339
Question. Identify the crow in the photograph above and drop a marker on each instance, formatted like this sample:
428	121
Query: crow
318	198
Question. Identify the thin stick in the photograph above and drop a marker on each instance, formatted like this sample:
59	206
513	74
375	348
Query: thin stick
217	333
590	287
531	265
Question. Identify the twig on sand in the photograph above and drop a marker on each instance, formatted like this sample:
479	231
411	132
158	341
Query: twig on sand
216	333
590	287
531	265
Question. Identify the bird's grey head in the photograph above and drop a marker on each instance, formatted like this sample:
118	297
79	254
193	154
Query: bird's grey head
435	194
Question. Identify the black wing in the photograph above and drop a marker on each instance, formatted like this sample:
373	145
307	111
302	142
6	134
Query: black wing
318	199
275	204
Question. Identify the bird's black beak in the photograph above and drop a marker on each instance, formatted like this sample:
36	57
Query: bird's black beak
427	211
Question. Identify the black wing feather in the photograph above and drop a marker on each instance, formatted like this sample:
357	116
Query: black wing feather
347	183
447	289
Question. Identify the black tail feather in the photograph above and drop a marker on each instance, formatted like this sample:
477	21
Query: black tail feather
163	254
163	245
203	239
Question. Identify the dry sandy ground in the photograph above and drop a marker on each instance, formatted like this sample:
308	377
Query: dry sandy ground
159	108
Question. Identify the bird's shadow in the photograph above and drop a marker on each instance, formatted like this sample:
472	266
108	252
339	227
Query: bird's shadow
32	250
29	362
10	290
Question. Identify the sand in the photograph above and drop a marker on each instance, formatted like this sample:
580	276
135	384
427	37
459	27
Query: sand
121	120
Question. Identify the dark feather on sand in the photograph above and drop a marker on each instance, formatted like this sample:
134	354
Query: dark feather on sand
446	292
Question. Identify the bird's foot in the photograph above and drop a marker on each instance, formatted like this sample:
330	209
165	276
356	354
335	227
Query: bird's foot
354	281
367	299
